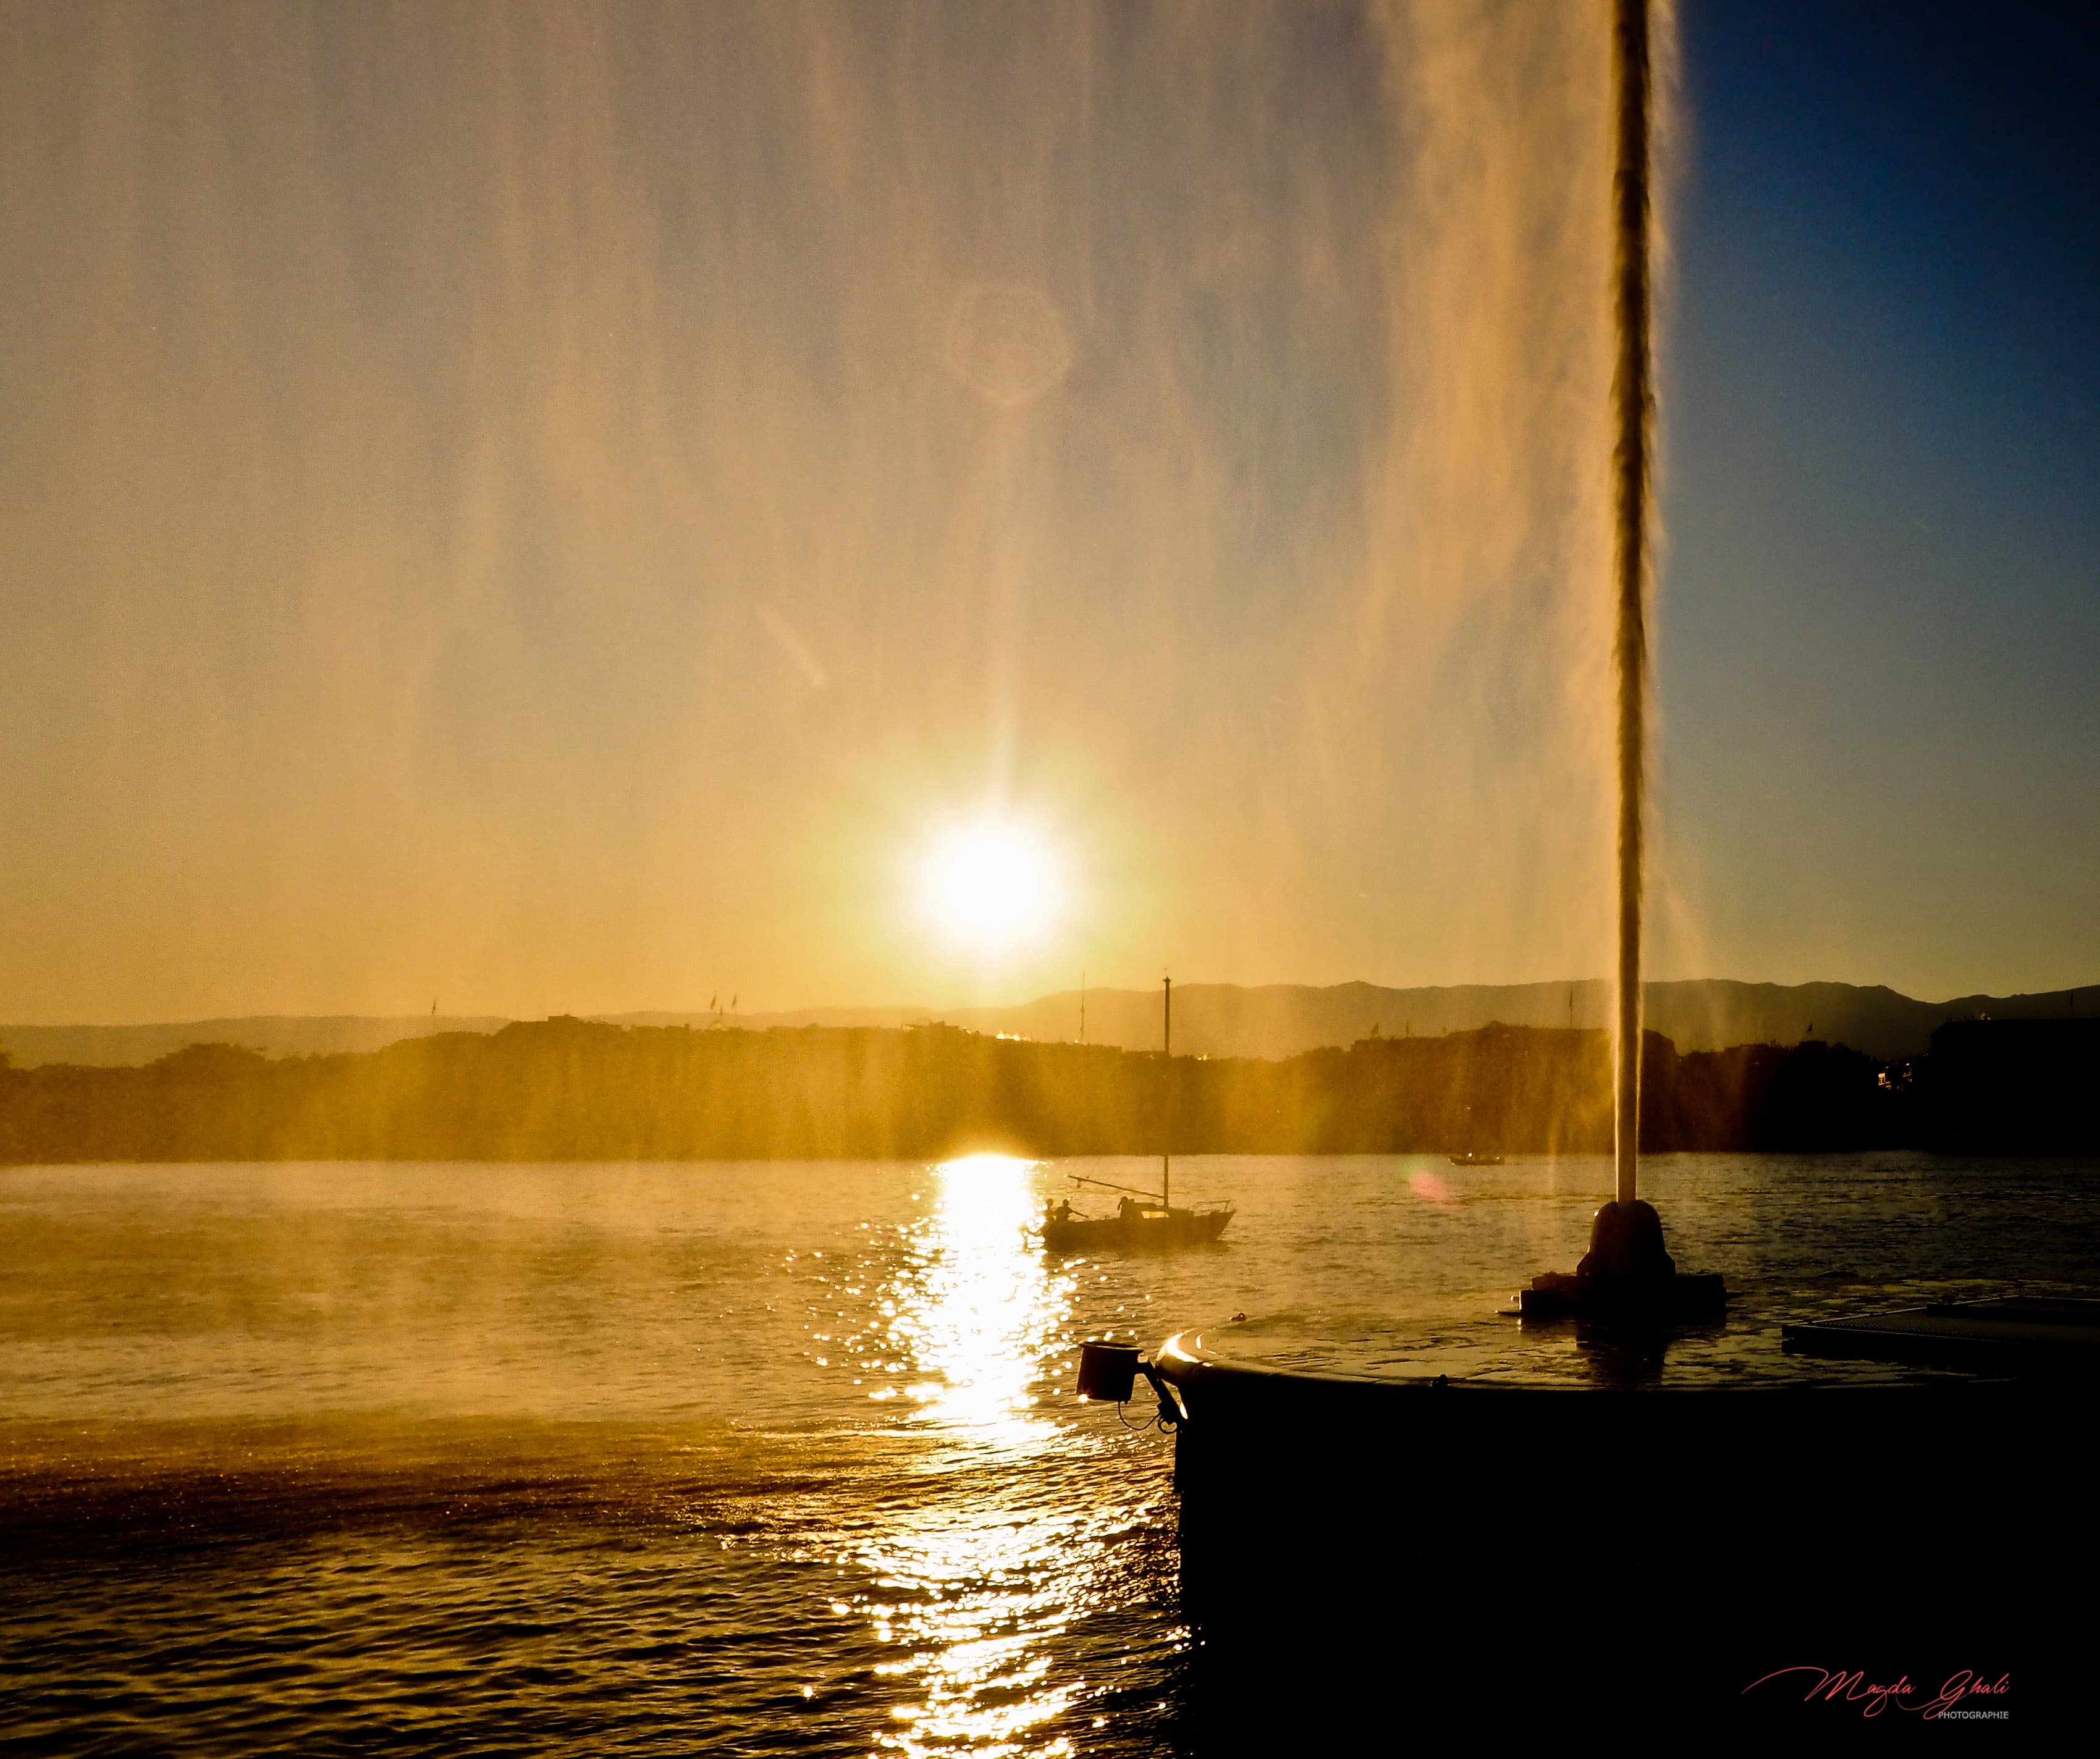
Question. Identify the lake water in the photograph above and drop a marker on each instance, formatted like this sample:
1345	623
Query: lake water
763	1458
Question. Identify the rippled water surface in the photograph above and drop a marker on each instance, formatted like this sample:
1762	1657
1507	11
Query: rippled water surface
759	1458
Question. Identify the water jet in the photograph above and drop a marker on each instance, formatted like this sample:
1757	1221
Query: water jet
1627	1274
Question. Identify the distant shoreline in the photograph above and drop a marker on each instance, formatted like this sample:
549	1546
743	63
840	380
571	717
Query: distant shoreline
567	1089
1274	1021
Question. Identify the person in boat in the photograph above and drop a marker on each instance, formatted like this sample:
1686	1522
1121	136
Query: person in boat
1064	1211
1129	1210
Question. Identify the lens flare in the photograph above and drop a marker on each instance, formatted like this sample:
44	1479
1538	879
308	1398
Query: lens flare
1430	1188
1009	342
991	885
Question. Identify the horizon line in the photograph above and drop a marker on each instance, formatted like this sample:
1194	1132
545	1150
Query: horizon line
932	1012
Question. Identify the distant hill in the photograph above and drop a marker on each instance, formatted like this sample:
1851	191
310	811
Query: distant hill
1283	1020
272	1034
1273	1020
566	1089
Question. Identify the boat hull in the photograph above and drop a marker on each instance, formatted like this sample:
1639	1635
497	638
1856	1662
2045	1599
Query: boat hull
1156	1233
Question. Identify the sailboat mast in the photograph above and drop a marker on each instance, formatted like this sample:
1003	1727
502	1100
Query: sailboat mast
1632	396
1166	1113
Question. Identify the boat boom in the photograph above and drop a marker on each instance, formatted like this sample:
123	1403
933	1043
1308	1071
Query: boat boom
1106	1186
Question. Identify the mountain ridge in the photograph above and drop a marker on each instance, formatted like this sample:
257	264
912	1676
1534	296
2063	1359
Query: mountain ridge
1270	1020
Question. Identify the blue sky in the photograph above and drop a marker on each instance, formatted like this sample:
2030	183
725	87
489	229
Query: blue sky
1882	621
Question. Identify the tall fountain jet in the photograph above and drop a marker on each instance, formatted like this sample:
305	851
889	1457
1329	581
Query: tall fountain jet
1633	397
1627	1271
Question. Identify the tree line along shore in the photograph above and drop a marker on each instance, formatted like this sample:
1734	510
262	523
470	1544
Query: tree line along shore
566	1089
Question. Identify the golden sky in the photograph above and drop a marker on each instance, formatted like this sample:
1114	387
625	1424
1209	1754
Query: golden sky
560	509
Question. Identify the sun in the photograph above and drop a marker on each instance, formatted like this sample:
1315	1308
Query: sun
990	884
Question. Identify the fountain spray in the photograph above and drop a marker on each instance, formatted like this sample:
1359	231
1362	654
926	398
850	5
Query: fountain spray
1627	1272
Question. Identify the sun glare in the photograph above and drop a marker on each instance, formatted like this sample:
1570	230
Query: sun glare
991	885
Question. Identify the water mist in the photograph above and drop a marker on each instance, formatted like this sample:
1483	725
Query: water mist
557	507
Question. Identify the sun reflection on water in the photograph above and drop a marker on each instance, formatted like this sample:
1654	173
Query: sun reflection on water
973	1587
983	1310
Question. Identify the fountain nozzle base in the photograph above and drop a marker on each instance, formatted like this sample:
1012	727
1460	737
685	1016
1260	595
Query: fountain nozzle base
1626	1276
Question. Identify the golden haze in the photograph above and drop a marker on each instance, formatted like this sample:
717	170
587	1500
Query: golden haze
544	507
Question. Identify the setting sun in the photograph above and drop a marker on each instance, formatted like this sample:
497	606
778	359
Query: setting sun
990	884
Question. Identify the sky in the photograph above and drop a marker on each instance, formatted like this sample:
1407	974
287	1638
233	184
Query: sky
1882	609
547	509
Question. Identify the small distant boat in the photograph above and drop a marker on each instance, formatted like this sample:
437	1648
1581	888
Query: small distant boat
1471	1159
1143	1221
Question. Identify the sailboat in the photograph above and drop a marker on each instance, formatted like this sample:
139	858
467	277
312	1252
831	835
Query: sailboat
1143	1219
